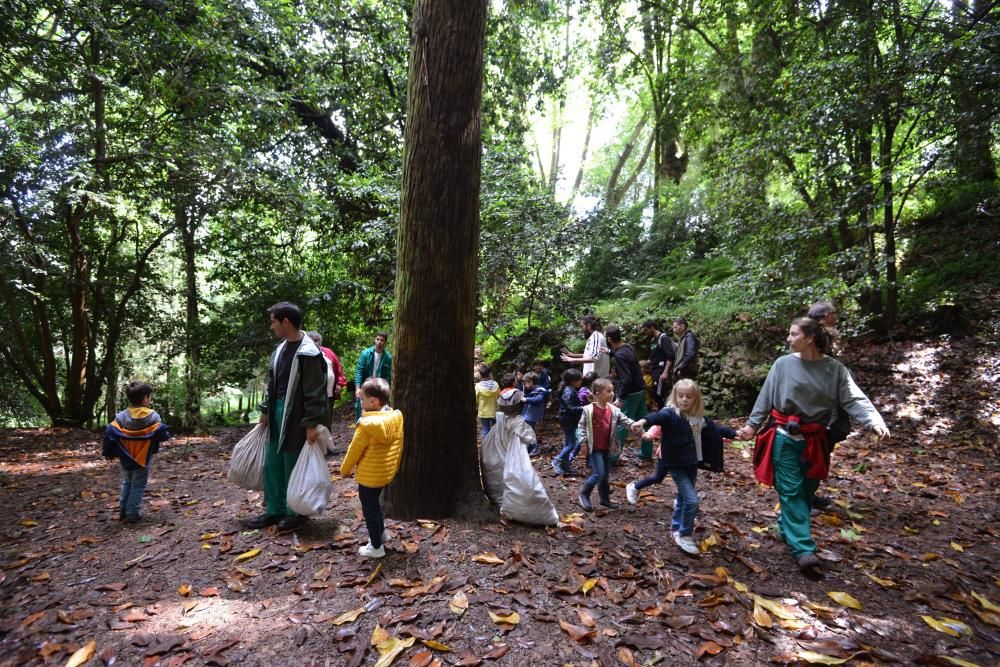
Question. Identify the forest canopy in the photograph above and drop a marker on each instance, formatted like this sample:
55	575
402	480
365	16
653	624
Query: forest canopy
169	170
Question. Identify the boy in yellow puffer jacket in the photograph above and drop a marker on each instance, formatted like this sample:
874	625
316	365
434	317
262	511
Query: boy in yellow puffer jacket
375	450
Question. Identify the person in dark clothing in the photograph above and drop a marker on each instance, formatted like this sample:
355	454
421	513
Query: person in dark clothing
661	358
686	356
294	404
630	388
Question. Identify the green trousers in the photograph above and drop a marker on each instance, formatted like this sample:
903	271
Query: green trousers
634	407
277	466
795	493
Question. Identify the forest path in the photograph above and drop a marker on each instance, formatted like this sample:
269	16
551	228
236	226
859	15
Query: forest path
913	533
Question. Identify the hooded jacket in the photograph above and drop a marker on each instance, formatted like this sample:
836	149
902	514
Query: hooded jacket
306	403
487	392
376	448
134	436
585	429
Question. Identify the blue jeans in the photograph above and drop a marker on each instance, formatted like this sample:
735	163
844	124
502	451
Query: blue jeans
599	467
133	487
661	473
686	502
570	445
487	423
371	508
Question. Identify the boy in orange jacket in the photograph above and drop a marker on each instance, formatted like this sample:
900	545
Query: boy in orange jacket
375	450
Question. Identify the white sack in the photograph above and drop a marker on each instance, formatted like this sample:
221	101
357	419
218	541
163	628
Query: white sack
510	480
309	487
246	466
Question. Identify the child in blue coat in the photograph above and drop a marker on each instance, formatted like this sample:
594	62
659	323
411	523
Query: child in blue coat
686	438
570	410
535	398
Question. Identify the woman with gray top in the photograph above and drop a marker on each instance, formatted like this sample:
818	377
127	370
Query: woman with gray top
799	399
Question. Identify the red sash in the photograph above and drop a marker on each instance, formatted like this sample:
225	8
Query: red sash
816	453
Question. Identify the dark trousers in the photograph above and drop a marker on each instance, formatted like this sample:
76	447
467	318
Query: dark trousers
599	466
661	473
371	508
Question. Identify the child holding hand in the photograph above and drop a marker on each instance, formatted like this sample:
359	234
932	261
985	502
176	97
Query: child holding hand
685	438
598	424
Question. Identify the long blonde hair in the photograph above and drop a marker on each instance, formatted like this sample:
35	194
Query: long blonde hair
698	409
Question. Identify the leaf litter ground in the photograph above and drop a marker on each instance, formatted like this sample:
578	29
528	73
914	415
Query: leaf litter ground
910	549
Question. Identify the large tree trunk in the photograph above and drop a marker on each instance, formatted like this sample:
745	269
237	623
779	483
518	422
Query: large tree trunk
437	262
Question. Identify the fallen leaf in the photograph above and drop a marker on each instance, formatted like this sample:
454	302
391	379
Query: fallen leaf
379	635
888	583
437	646
819	658
989	606
957	661
761	617
586	617
576	632
513	618
247	555
588	585
209	536
459	603
949	626
211	591
624	655
778	609
184	590
708	648
488	558
957	547
391	648
32	618
421	659
28	523
348	616
845	599
117	586
497	652
82	654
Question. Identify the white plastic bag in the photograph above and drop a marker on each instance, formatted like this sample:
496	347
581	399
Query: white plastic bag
509	477
246	466
324	438
309	487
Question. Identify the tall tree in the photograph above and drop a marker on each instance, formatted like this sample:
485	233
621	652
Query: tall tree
437	258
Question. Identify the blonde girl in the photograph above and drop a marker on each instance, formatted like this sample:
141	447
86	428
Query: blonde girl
687	440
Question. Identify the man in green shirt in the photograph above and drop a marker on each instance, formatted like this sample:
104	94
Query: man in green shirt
373	362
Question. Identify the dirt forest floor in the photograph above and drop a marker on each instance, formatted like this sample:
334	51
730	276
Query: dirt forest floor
910	548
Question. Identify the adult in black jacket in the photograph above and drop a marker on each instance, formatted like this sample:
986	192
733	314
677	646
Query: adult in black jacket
661	358
630	388
686	356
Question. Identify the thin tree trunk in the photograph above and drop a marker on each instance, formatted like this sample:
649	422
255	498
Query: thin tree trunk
187	224
437	263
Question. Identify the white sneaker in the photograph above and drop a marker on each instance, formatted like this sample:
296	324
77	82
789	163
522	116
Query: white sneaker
687	545
368	551
632	493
